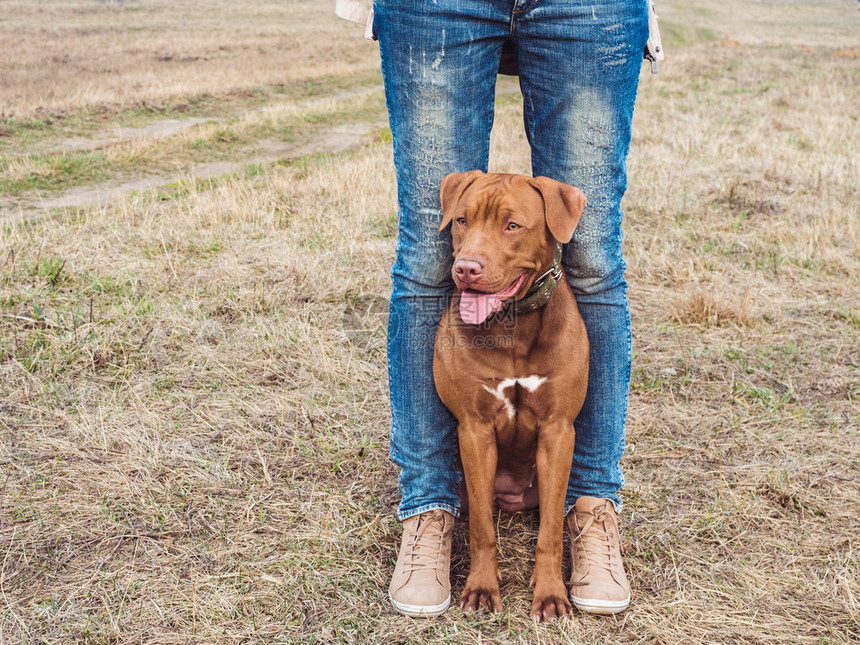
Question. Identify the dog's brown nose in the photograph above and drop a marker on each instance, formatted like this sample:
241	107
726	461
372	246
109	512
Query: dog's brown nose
468	270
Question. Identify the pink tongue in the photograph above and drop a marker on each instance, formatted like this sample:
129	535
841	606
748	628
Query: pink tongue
476	306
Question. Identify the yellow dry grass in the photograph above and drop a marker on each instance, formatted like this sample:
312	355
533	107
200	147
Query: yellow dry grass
83	55
193	439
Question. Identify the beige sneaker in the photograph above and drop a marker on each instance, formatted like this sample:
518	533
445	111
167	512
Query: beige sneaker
421	585
598	582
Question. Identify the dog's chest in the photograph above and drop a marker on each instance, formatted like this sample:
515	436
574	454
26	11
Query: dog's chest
513	399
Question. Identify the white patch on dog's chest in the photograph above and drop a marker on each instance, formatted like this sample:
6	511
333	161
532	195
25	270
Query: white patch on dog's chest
531	383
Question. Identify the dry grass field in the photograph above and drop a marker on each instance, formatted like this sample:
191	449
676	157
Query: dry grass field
193	431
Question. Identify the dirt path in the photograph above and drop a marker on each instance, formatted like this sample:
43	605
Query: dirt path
332	140
329	140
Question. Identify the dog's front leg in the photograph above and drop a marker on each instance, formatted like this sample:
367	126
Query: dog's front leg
554	457
479	454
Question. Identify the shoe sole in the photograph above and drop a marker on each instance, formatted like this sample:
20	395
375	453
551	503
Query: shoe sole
420	611
602	607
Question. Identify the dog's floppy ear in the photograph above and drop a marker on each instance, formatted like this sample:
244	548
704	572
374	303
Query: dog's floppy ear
563	205
453	187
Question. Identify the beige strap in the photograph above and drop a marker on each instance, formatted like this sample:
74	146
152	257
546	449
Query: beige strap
654	47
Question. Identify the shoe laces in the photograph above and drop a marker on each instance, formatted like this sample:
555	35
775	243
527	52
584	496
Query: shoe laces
595	541
424	551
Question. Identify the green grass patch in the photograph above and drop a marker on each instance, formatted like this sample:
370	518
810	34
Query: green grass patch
56	172
22	128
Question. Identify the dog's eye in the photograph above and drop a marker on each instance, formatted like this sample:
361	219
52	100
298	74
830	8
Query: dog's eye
512	226
461	221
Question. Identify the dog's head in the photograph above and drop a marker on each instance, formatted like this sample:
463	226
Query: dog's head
505	229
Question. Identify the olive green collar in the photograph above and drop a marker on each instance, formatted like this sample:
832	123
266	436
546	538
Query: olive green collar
540	292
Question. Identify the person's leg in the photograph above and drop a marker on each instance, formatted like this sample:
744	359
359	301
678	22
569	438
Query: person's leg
579	71
439	64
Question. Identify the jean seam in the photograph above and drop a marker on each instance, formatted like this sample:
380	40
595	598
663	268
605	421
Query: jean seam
528	104
426	508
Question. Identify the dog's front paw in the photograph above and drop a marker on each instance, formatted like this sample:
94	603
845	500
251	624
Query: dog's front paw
550	602
481	592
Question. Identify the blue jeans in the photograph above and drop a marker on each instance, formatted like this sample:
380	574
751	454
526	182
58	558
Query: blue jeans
579	69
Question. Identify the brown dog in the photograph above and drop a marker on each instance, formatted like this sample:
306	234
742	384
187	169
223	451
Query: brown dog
512	366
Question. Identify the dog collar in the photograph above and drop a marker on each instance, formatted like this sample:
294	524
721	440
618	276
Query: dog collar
541	290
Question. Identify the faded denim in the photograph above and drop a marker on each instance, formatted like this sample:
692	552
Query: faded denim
579	70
